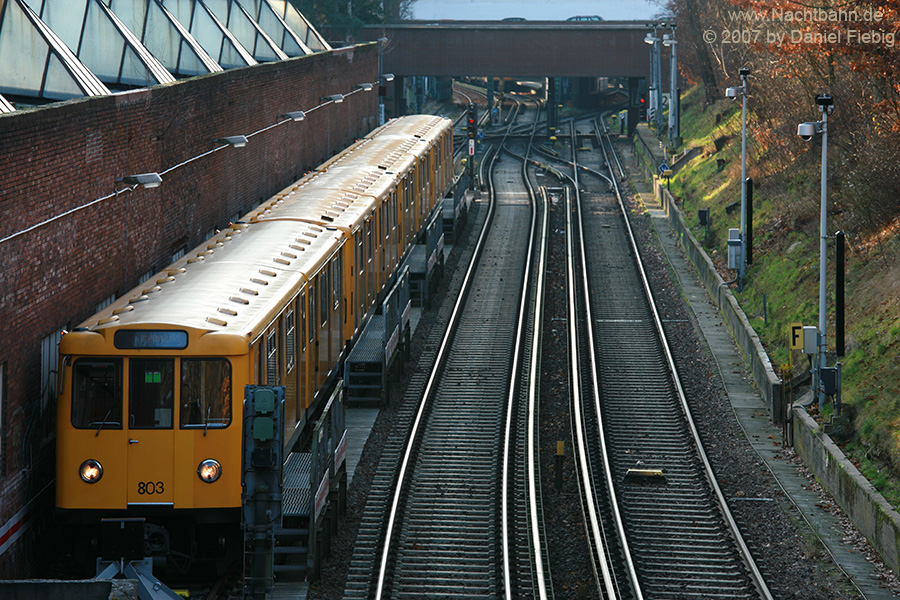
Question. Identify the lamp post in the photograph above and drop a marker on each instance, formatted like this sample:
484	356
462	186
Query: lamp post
655	84
381	42
733	92
674	115
807	131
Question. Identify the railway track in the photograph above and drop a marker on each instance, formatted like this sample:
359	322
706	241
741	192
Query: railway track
679	538
447	529
455	509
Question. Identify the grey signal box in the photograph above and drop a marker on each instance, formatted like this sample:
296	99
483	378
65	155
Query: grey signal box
734	249
810	340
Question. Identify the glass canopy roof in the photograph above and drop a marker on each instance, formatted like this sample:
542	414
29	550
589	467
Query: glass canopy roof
59	49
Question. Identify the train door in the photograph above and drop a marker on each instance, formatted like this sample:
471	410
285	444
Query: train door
337	308
429	175
380	245
291	370
312	351
393	231
304	399
408	220
151	409
422	177
373	277
323	289
359	271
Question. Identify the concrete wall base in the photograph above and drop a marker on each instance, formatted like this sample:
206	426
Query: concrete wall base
857	497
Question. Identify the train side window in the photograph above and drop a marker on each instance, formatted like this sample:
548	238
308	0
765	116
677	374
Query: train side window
97	393
336	270
205	392
369	244
301	326
272	375
311	316
360	253
323	300
290	347
151	393
392	212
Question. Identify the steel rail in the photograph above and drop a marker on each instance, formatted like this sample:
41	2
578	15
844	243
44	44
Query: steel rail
755	573
594	382
432	379
509	452
418	425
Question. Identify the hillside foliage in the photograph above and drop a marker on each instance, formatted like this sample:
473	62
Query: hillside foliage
795	51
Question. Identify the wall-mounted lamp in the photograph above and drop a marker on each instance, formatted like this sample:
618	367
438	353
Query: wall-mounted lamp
336	98
366	87
297	115
238	141
147	180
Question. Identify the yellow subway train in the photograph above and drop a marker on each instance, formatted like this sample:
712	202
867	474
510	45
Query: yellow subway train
151	387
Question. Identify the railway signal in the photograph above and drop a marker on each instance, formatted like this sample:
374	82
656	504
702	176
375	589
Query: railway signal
472	124
471	133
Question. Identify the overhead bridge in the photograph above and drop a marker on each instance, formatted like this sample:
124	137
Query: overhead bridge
518	49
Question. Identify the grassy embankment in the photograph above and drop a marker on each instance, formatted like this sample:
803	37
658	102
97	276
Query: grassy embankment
782	283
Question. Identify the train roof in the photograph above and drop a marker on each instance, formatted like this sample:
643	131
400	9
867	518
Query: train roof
343	194
235	282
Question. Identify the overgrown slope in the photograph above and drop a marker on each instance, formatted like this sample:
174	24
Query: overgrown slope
782	283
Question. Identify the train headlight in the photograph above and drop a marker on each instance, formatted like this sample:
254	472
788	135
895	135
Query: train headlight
209	470
91	471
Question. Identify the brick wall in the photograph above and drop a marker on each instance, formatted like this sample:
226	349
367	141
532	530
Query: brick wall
58	158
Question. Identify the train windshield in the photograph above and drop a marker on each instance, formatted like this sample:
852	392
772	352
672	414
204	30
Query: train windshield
97	393
205	393
151	393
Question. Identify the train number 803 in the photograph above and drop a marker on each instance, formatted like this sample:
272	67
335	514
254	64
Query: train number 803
150	487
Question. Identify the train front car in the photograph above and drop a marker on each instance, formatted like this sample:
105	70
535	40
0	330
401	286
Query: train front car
150	406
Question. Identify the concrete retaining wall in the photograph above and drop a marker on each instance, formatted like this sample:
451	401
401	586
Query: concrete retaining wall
868	510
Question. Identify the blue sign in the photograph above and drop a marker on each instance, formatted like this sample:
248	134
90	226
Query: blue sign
663	167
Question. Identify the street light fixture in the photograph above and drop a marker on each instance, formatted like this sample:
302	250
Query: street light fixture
336	98
807	131
366	87
146	180
297	115
238	141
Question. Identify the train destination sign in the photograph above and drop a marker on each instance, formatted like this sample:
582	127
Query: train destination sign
151	339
